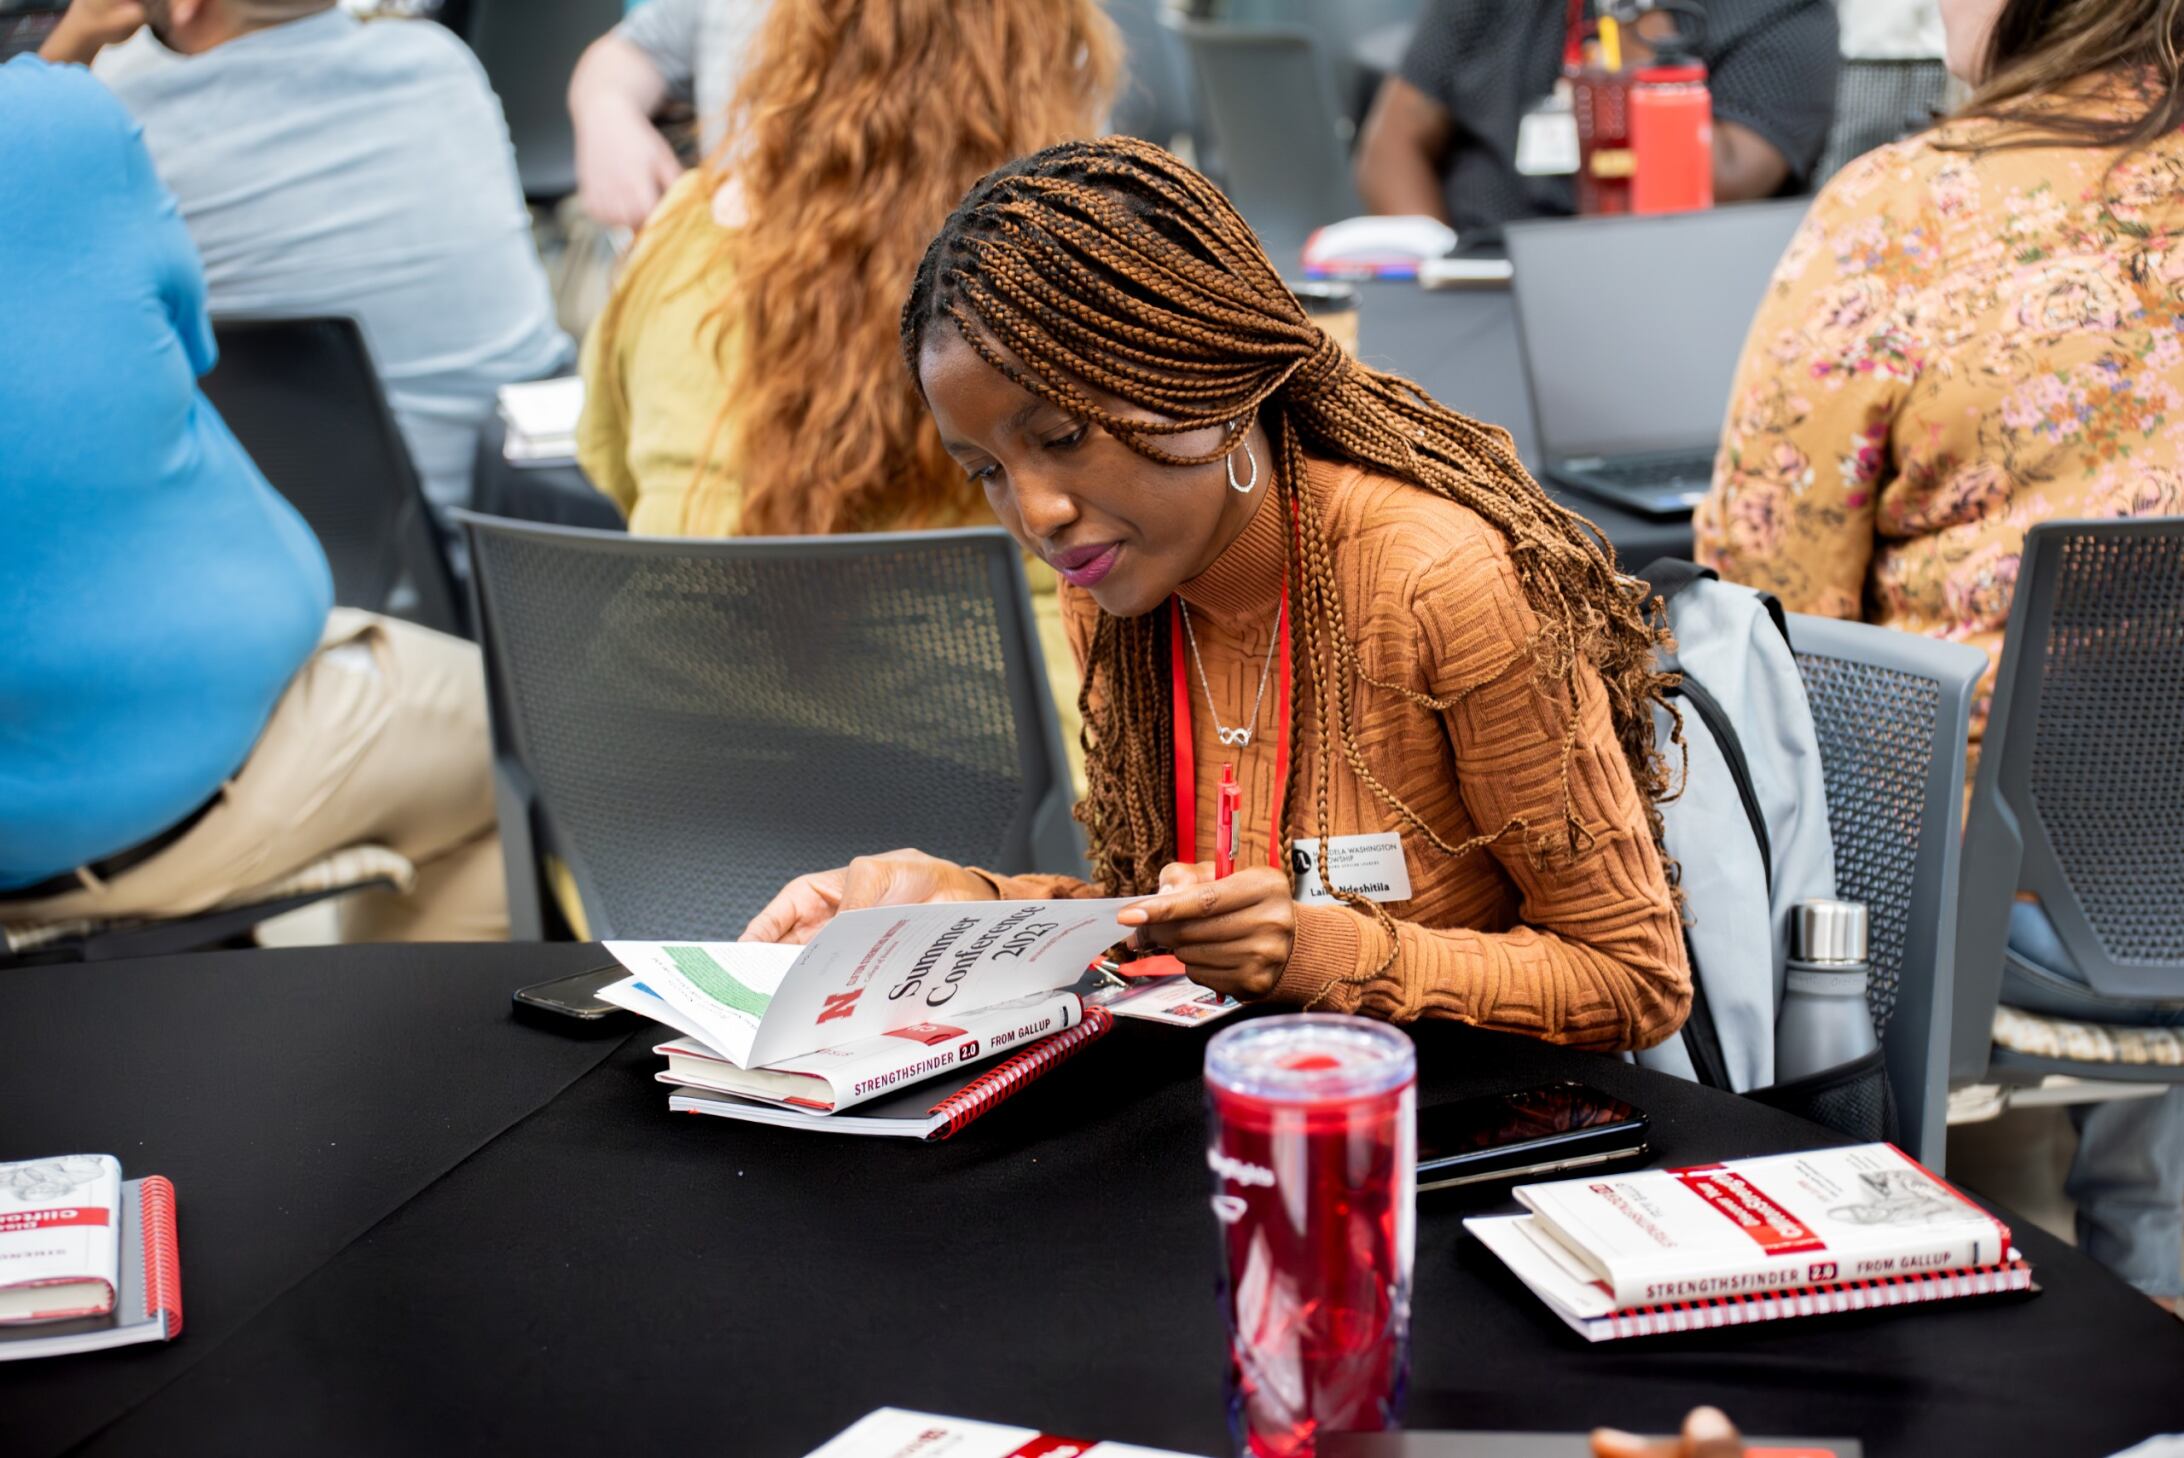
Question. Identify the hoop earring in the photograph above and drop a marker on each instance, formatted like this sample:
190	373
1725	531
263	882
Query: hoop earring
1228	462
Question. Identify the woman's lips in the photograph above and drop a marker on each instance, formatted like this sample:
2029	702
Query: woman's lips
1085	566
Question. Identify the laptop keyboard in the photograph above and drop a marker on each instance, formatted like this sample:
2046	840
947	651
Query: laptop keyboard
1655	470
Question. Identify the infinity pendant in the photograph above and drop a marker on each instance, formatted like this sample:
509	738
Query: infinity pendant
1238	738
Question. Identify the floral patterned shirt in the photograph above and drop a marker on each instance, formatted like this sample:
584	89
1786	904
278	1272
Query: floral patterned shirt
1955	347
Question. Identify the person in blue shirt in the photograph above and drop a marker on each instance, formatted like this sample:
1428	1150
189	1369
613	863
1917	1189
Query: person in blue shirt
183	715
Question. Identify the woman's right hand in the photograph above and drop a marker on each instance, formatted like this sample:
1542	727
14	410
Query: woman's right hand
898	878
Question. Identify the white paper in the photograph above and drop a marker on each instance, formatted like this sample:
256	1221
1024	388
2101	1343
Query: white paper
1177	1001
870	972
893	1432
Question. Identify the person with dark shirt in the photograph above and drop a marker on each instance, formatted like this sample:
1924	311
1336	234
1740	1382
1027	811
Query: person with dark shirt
1442	136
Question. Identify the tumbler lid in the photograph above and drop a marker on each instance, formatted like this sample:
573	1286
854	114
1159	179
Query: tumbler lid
1310	1058
1828	931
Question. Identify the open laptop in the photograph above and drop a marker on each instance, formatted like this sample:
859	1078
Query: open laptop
1631	328
24	24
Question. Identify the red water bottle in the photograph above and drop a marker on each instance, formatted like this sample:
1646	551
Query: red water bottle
1671	133
1314	1152
1600	105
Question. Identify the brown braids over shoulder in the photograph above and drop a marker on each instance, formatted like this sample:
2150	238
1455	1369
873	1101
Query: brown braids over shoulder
1114	265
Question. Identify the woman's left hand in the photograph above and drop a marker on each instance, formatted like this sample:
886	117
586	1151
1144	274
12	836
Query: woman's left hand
1233	935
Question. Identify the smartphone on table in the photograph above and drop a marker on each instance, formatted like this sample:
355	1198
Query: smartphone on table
575	996
1533	1133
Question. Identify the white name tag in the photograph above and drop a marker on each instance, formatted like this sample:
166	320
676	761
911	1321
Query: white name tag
1547	142
1370	865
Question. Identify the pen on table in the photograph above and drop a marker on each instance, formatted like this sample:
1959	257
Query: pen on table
1226	800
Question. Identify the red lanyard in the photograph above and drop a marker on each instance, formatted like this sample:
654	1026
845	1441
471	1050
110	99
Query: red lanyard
1186	756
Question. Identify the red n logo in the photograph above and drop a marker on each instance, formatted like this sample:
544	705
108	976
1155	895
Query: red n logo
839	1005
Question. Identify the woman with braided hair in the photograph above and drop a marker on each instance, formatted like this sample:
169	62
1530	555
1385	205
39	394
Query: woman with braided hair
1434	689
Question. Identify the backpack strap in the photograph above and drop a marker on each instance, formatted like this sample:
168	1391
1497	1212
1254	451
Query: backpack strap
1668	576
1665	577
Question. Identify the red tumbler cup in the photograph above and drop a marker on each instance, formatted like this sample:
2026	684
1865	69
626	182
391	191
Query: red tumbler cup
1314	1157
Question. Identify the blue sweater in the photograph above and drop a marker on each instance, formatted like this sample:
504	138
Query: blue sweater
158	594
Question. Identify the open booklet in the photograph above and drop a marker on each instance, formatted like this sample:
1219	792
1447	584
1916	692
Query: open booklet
867	973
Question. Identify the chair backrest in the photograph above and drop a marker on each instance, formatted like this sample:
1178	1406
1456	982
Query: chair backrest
303	397
1878	102
690	724
1157	100
2079	797
529	49
1273	114
1892	711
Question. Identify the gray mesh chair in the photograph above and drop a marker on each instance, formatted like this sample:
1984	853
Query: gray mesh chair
2080	793
529	49
1270	103
1156	100
1892	711
304	398
689	724
1878	102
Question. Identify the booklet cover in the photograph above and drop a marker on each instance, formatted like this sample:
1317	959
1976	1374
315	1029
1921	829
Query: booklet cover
58	1237
868	972
1815	1218
892	1432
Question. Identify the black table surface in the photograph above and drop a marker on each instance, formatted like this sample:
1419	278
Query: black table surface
1461	345
411	1223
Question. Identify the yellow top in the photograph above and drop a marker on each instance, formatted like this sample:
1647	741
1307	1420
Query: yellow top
652	380
1955	347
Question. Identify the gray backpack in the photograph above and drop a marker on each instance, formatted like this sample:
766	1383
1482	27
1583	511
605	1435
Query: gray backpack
1750	828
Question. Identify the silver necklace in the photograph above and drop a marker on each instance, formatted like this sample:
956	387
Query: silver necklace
1240	736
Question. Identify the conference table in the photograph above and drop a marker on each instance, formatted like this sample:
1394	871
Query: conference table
411	1222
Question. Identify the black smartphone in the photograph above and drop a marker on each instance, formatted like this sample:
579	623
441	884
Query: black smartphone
575	996
1546	1130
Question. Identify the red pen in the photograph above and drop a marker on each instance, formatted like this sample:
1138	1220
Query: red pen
1226	799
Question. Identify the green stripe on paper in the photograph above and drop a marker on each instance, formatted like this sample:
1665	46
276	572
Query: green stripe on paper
717	982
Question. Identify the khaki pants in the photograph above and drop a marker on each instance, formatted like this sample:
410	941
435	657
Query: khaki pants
381	739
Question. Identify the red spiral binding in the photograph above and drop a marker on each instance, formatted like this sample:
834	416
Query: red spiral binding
162	1257
1738	1308
1004	1079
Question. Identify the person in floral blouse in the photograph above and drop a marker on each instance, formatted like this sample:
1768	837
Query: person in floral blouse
1977	329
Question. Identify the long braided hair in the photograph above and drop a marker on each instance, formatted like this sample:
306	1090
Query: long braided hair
1114	265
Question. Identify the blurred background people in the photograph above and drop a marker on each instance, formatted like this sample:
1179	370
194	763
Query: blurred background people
745	377
666	50
1977	329
326	165
1442	138
184	718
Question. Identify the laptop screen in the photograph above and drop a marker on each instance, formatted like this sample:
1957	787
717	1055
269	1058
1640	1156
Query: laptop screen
1631	327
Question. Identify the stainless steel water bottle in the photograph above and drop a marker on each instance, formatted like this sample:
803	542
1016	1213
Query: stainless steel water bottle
1824	1022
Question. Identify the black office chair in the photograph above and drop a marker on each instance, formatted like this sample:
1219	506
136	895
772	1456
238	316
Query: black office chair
304	399
529	49
686	725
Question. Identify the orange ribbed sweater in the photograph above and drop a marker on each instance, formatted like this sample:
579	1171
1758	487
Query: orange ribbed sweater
1516	936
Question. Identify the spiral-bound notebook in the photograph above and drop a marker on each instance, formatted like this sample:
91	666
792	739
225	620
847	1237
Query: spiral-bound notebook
147	1286
931	1110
